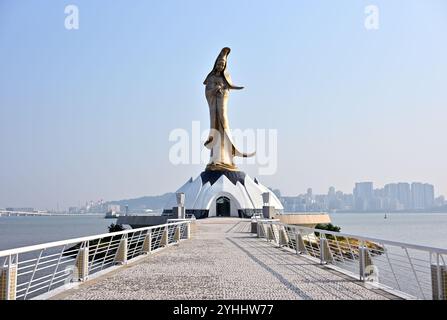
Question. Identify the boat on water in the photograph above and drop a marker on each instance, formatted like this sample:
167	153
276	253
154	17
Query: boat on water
111	214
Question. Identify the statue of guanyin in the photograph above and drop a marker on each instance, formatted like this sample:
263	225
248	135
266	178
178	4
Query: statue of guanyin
218	85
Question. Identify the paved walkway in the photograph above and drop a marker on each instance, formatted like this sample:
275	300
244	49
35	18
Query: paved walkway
224	261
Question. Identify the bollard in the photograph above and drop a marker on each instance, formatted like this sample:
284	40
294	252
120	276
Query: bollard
325	252
179	212
254	227
82	264
121	254
268	211
147	244
8	281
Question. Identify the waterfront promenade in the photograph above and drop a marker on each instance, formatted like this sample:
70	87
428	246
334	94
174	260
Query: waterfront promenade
223	260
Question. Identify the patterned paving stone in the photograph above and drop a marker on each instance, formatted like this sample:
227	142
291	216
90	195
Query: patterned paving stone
223	261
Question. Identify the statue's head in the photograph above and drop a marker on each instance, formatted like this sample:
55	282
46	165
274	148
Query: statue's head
221	61
220	67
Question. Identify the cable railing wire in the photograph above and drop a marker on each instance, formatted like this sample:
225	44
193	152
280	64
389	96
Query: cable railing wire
46	267
408	270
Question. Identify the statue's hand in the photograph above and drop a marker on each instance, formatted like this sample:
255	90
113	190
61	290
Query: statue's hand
219	90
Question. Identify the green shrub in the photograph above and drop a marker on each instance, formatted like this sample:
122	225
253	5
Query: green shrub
115	227
327	227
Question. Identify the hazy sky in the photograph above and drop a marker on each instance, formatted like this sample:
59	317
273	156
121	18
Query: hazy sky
86	114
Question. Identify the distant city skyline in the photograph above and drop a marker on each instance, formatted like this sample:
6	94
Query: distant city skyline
400	196
365	196
86	113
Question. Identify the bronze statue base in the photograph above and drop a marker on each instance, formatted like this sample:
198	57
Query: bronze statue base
212	176
221	167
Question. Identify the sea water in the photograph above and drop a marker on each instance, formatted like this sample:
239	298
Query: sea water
429	229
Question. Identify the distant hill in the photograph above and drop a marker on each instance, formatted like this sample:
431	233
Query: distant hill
148	202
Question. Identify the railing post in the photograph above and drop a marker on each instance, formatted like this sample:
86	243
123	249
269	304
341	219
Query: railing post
325	251
254	226
8	280
177	234
147	244
283	238
188	230
82	263
364	261
439	280
164	238
259	230
121	254
300	246
270	234
322	250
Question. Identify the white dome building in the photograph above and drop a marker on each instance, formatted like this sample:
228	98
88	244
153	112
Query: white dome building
223	193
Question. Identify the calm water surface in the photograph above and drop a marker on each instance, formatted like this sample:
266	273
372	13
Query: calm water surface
23	231
426	229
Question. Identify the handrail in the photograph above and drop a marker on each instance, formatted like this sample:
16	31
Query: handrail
384	241
406	270
8	252
32	271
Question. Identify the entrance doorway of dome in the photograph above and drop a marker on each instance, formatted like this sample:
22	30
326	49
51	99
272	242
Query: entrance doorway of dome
223	207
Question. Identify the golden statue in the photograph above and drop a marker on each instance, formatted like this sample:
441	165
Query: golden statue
218	84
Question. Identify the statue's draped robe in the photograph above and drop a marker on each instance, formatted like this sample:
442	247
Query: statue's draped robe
219	141
222	146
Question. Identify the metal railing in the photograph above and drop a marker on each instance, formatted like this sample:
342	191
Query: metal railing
32	271
407	270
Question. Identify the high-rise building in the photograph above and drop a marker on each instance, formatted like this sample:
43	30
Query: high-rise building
114	208
440	201
404	194
392	197
429	196
309	192
332	202
363	195
423	195
73	210
418	195
391	191
348	202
